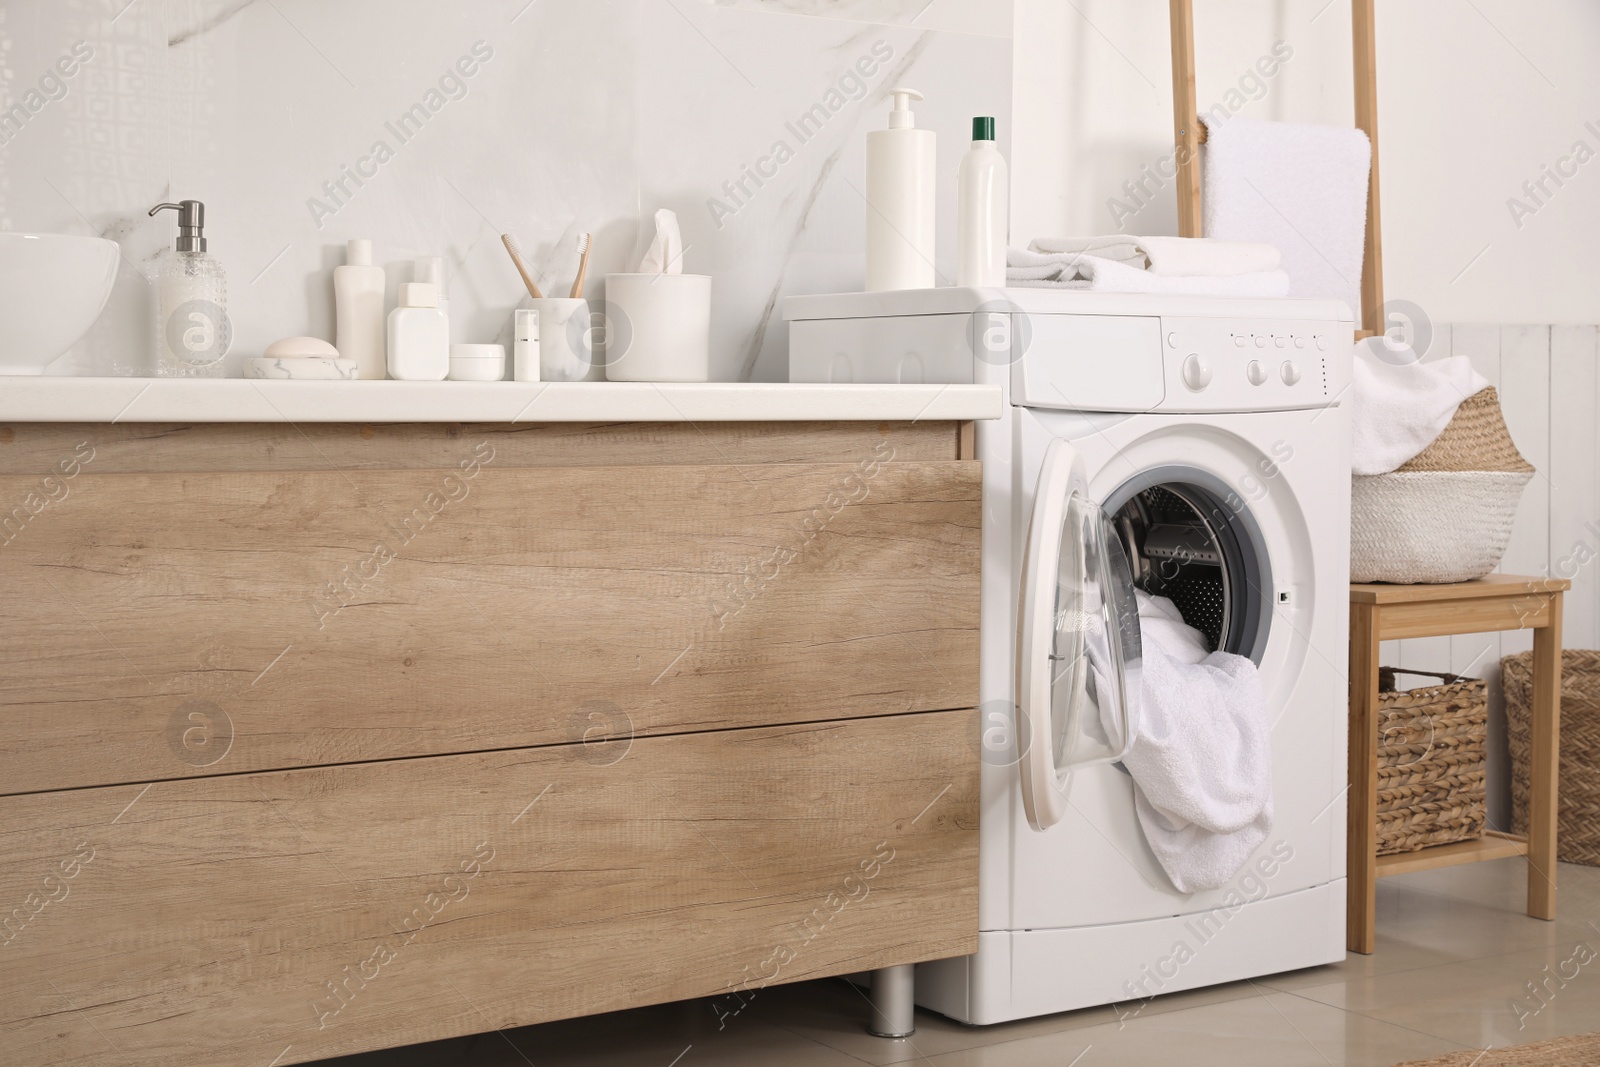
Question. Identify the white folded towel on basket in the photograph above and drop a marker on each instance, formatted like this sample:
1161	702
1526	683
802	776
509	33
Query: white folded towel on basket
1069	270
1177	257
1398	404
1202	763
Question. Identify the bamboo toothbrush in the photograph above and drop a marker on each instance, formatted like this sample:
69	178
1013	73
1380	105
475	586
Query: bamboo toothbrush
522	268
583	265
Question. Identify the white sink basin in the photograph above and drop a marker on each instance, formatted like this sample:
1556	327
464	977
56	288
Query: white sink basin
52	288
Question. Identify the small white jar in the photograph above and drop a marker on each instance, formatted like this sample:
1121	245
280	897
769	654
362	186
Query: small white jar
477	363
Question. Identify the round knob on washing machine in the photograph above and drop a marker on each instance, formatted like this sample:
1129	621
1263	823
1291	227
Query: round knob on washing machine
1196	374
1255	372
1290	372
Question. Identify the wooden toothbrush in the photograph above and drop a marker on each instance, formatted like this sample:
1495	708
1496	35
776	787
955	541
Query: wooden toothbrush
583	265
522	268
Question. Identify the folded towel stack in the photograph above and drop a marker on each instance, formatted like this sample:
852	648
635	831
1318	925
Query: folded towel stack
1120	263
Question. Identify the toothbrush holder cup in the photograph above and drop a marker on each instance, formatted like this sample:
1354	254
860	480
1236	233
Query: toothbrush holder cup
658	327
566	340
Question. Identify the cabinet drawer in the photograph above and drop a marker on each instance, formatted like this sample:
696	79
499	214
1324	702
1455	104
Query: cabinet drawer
186	623
294	915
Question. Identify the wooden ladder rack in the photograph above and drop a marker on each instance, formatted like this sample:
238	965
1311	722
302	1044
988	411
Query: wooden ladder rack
1189	133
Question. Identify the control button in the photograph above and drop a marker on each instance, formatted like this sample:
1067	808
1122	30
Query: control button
1172	340
1290	372
1196	374
1299	342
1238	340
1261	342
1279	341
1256	372
1322	344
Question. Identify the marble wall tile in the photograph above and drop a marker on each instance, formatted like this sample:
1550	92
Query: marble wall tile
302	124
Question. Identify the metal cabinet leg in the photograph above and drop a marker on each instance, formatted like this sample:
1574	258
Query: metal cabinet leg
893	1001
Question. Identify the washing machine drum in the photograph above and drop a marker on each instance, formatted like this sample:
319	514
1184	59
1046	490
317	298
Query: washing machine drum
1185	542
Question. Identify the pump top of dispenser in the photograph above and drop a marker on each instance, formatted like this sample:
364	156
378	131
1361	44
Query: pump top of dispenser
983	128
902	117
191	224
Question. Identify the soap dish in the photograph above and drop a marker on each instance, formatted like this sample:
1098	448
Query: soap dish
301	368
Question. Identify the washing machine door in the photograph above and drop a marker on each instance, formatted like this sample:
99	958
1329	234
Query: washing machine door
1078	645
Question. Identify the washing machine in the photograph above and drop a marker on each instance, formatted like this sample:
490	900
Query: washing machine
1195	448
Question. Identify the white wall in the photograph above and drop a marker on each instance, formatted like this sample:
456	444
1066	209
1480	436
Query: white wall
581	115
1474	99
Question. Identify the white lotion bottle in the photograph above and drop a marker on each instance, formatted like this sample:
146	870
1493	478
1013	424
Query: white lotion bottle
358	311
419	335
901	168
981	232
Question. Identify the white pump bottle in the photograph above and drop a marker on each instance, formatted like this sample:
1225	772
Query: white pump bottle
901	164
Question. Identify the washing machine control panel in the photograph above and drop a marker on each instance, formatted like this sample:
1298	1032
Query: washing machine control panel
1225	364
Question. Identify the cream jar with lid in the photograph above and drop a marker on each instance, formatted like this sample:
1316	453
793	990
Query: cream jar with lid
477	363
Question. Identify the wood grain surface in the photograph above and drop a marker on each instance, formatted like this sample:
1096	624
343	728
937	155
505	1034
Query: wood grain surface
244	920
177	623
35	448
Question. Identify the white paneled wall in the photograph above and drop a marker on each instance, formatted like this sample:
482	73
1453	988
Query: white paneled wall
1550	393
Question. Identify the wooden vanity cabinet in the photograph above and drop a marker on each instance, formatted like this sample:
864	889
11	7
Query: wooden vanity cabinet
329	738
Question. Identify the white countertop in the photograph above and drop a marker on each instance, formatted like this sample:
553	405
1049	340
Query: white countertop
64	399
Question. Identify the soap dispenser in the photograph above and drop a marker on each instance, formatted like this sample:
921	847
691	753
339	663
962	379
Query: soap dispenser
901	165
192	331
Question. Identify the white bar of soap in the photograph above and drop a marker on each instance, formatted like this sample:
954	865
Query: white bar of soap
301	348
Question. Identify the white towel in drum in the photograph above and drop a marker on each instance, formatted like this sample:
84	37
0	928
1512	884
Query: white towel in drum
1202	762
1161	623
1399	404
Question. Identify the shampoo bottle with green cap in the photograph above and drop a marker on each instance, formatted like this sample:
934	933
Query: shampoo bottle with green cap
901	164
981	229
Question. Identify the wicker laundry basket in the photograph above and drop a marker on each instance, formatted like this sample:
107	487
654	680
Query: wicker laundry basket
1578	787
1446	514
1431	761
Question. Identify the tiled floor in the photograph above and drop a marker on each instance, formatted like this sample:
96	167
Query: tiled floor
1454	951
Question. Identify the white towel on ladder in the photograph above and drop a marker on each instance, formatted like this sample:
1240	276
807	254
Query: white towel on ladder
1301	189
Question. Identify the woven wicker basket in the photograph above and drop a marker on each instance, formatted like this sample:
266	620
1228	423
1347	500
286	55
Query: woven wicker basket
1446	514
1431	753
1578	788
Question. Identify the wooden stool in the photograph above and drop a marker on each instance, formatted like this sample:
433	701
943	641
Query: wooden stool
1386	612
